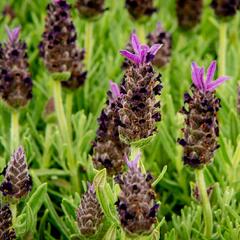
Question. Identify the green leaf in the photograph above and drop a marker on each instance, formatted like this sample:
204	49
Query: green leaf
156	232
37	198
160	176
105	196
31	219
111	234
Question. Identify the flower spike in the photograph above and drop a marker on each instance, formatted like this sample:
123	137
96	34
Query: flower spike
143	53
136	204
201	130
206	85
159	35
15	78
89	213
108	150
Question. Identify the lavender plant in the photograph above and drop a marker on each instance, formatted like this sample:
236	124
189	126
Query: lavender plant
108	150
138	8
15	83
6	230
15	79
58	46
201	129
136	205
159	36
189	12
64	60
89	213
139	110
17	181
90	8
225	8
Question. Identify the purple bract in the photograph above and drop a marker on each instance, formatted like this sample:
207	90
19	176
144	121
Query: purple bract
13	34
206	85
143	53
91	187
134	163
115	90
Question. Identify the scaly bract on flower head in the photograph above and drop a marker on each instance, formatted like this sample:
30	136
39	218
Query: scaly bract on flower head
206	84
143	53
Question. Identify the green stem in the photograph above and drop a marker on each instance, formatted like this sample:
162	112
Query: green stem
69	105
88	56
13	208
222	48
14	130
47	144
62	122
63	126
207	211
88	43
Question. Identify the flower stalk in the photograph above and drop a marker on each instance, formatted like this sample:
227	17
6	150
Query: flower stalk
63	126
69	106
207	211
14	129
222	47
88	43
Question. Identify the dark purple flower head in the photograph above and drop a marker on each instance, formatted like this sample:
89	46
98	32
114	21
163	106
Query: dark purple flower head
115	90
143	53
13	34
206	85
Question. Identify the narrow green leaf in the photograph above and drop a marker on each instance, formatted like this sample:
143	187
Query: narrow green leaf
160	176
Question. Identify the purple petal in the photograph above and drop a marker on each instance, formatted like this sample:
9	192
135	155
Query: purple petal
201	78
213	85
115	89
195	75
135	43
143	53
133	164
211	71
13	34
154	49
152	52
132	57
90	186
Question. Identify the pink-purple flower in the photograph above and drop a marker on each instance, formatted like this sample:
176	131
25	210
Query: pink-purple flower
143	54
206	84
13	34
